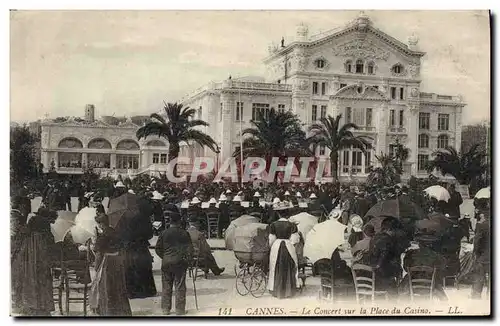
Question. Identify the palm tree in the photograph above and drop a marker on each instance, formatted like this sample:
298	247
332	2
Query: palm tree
177	125
274	134
330	134
387	174
464	167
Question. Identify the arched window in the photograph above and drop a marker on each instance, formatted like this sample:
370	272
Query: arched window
397	69
320	63
348	66
70	142
423	141
155	143
442	141
359	66
128	145
371	68
99	143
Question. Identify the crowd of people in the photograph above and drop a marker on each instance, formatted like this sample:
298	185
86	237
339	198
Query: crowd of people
123	262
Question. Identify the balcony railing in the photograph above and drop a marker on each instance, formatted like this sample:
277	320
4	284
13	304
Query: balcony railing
397	129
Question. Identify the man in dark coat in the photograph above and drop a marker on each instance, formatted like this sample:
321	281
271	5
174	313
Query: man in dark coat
361	205
385	257
454	202
482	252
175	249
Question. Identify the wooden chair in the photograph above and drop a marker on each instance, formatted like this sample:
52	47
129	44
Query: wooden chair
212	224
76	278
421	280
365	286
194	268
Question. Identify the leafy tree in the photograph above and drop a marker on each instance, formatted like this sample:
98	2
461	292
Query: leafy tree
329	133
464	167
22	157
387	174
401	155
177	125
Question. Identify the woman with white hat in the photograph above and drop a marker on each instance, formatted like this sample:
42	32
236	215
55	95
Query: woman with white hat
283	262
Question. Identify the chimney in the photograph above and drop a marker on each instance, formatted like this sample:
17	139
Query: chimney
90	113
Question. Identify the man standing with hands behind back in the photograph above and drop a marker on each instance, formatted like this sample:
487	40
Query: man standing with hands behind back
175	249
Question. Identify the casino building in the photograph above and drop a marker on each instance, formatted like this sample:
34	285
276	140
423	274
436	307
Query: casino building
358	71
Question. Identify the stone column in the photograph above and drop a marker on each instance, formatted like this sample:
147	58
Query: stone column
113	161
413	132
382	116
458	128
228	107
84	159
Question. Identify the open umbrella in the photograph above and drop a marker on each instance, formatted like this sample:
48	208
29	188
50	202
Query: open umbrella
122	208
64	222
483	193
240	221
323	239
85	225
401	208
438	192
305	222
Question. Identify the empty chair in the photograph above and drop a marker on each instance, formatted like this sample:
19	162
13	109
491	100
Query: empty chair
364	283
421	280
212	224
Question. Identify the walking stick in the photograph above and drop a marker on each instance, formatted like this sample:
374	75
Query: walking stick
194	289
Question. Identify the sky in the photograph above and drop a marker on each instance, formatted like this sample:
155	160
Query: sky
129	62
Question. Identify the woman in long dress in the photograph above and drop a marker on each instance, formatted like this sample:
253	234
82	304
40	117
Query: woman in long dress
283	263
31	264
108	294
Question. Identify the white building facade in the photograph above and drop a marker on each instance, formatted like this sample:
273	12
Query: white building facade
358	71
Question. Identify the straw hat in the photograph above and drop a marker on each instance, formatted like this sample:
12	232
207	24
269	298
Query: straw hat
287	193
131	191
313	196
228	191
237	198
222	197
195	200
298	195
276	200
119	184
257	194
157	195
212	201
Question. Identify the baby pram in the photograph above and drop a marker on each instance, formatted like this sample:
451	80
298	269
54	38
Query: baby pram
251	248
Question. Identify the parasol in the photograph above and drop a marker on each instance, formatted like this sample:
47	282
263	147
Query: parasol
252	237
123	207
323	239
85	225
401	208
240	221
438	192
64	221
483	193
305	222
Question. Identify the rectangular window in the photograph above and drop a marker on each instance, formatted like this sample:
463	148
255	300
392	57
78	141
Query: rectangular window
401	93
370	69
443	121
127	161
392	118
323	88
423	141
345	162
220	112
369	113
322	150
315	88
343	85
357	158
163	158
200	110
368	161
393	93
424	120
281	108
239	111
401	118
392	150
422	162
314	113
257	108
323	111
156	158
348	113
